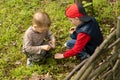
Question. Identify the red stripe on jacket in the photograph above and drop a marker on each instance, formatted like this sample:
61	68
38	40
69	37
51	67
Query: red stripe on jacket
82	40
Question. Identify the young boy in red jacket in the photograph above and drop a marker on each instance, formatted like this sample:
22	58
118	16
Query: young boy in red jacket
86	36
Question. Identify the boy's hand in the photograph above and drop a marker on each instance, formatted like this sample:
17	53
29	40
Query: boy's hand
72	29
58	56
45	47
52	44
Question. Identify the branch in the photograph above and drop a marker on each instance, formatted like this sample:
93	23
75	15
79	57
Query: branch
115	43
78	1
103	66
86	73
115	68
75	69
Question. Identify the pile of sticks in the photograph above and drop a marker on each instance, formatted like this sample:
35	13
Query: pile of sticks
101	66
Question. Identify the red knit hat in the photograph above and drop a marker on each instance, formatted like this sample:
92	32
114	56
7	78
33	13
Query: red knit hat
72	11
75	10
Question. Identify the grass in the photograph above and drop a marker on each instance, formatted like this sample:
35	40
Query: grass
15	18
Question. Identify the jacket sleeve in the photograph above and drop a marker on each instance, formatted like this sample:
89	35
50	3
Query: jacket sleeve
81	41
28	46
50	36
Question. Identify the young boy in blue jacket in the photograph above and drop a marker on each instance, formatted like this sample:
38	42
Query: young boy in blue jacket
85	37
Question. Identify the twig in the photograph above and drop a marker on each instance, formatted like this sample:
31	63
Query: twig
75	69
103	66
115	43
115	67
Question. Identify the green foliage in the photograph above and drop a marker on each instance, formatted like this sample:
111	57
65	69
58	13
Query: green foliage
15	18
106	13
86	4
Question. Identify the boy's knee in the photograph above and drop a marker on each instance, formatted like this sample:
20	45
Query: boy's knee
70	43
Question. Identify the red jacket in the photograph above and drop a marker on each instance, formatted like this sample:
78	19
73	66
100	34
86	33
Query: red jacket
82	39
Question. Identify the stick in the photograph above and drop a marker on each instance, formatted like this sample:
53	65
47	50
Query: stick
75	69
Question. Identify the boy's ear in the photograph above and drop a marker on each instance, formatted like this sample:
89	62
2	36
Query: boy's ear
35	26
76	18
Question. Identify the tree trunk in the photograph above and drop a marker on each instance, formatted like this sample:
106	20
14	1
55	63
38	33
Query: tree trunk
78	1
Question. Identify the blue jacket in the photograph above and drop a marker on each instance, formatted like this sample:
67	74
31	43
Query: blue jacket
91	28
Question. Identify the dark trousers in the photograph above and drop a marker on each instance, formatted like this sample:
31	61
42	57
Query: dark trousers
37	57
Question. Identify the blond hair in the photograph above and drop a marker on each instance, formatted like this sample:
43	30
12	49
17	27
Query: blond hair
41	19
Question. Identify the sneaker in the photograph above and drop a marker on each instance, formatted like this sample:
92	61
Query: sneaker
29	62
65	44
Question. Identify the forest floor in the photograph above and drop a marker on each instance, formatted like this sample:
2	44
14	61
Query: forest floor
16	17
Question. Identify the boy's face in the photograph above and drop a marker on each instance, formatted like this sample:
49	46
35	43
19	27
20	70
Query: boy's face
40	29
76	21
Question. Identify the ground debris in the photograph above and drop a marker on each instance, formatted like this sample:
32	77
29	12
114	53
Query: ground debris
35	76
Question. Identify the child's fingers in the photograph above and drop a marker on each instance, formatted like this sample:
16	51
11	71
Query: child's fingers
51	45
72	28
